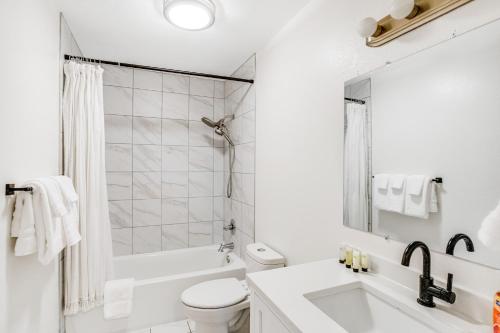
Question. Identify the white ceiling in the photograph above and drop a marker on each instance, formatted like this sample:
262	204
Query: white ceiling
135	31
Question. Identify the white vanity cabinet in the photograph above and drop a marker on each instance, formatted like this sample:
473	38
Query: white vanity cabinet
262	318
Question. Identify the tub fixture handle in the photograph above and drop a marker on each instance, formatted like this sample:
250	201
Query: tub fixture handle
231	226
224	246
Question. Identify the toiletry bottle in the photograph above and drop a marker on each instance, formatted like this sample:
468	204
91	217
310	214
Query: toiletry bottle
496	313
356	261
342	254
364	262
348	257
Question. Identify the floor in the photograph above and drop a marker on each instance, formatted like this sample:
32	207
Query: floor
183	326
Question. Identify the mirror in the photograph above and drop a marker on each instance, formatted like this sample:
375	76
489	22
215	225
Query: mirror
422	155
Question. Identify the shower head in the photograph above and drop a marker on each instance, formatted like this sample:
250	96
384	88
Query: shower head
209	122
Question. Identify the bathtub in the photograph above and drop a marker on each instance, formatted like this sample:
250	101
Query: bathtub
160	279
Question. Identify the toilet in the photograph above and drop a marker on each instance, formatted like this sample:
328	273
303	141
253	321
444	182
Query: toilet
218	305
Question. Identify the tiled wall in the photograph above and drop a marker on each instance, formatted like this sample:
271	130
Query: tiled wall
165	168
240	102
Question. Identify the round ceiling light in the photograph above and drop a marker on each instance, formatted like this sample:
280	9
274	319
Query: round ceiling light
190	14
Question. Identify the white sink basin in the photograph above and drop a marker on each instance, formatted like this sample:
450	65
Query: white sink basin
360	308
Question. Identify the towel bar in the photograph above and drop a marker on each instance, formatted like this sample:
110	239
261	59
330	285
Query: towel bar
437	180
11	189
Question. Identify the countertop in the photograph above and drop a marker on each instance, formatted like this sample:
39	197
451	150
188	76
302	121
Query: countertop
284	290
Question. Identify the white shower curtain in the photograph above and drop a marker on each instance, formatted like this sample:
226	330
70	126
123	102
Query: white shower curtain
356	168
87	265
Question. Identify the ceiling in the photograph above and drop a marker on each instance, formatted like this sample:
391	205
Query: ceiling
135	31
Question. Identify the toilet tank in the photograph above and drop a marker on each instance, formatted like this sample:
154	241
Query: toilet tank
261	257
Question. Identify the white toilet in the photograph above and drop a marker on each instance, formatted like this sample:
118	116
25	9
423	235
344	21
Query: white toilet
218	305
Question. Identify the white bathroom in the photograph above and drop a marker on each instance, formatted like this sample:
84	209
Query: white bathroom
249	166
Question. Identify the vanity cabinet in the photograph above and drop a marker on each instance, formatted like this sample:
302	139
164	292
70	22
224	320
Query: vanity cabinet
262	318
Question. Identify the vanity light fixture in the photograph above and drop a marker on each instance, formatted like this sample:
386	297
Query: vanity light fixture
190	14
405	16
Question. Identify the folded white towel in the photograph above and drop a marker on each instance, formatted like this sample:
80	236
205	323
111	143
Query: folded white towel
396	193
381	181
421	205
54	195
118	297
23	225
415	184
68	192
489	233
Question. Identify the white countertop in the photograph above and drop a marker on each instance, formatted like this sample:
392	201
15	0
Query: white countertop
284	290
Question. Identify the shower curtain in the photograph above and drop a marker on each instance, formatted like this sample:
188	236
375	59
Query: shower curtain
356	171
87	265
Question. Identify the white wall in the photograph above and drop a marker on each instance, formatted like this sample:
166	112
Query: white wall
300	88
29	124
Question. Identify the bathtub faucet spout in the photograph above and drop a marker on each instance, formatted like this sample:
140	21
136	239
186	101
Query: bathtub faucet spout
224	246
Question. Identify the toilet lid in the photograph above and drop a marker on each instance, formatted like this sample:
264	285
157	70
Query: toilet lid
215	294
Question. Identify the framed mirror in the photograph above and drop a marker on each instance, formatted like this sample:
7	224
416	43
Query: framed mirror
422	145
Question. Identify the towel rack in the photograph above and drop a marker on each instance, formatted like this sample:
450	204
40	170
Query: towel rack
11	189
437	180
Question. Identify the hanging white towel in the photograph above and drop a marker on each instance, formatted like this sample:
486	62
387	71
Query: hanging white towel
70	200
421	205
23	225
489	233
415	184
380	192
118	298
396	193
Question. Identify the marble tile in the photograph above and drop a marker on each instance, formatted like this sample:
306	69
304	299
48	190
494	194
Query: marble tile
147	185
175	132
219	89
117	76
117	100
147	158
201	107
245	158
200	134
118	129
175	184
175	327
200	209
201	184
146	79
146	212
122	241
119	185
147	103
218	232
174	237
227	209
118	157
175	106
218	108
147	131
244	187
175	211
200	234
218	208
201	87
201	159
247	224
247	125
120	213
236	213
220	181
147	239
176	83
220	141
175	158
219	159
244	240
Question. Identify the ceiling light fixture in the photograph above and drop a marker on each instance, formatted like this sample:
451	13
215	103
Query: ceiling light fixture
190	14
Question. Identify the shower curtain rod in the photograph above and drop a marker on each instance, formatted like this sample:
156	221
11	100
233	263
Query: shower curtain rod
158	69
359	101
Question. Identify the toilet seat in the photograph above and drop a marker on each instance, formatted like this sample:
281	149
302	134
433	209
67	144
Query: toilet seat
215	294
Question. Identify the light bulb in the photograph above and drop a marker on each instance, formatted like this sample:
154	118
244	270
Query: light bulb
403	9
190	14
368	27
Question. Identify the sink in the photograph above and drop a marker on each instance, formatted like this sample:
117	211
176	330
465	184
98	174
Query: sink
361	308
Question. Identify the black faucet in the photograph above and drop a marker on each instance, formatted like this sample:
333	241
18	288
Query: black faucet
469	245
428	290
